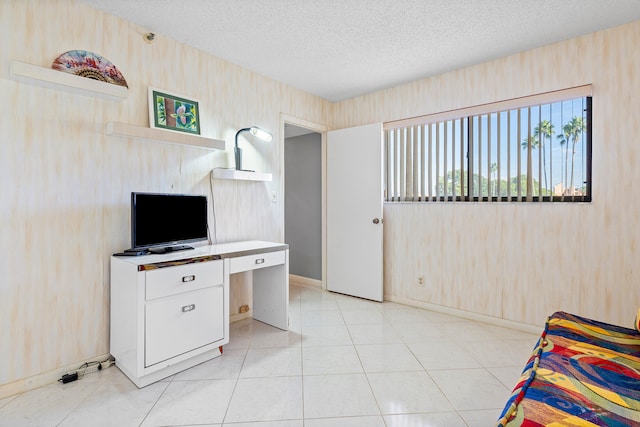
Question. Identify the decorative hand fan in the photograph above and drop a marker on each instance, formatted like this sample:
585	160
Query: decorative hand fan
90	65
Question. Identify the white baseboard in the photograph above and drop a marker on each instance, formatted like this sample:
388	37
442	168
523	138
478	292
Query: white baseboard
44	378
524	327
304	282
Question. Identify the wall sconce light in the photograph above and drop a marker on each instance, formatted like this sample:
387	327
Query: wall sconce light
255	131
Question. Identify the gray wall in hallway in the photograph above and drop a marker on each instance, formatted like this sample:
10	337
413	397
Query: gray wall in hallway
303	204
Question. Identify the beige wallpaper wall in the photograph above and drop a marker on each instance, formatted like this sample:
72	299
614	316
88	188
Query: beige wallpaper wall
522	262
64	204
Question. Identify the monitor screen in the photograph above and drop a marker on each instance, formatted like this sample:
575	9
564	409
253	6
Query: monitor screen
165	220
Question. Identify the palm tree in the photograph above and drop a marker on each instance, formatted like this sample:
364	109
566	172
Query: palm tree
574	128
543	131
534	143
564	141
531	141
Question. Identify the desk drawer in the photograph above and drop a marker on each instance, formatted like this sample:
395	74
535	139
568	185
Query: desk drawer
183	323
167	281
252	262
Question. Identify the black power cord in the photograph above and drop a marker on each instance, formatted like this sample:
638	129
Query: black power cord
67	378
213	209
82	370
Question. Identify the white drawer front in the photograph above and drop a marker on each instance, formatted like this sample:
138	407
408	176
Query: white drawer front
183	323
167	281
252	262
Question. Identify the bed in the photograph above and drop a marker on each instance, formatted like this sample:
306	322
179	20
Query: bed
581	373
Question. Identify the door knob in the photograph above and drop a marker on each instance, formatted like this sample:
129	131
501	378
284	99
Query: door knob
376	221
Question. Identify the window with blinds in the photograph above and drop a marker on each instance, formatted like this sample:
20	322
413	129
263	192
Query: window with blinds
533	149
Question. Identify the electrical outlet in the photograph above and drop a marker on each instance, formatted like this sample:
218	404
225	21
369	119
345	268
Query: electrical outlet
421	281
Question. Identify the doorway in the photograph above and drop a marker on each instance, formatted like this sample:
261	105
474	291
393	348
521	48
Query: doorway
304	217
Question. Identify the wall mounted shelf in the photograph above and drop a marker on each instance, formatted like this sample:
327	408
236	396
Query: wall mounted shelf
53	79
241	175
126	130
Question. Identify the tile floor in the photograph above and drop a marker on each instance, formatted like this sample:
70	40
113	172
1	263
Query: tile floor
344	362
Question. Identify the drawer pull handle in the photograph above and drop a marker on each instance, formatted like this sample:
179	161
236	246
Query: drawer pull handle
260	261
188	308
186	279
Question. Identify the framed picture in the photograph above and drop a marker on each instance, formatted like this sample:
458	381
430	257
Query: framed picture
173	112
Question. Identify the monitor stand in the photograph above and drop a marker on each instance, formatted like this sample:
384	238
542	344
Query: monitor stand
132	252
168	249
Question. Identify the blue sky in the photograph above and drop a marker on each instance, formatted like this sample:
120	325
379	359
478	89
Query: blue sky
558	114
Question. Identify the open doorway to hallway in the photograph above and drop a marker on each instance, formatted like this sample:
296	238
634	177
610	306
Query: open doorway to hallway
303	216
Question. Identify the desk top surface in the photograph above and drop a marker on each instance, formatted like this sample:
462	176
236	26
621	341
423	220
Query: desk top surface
204	253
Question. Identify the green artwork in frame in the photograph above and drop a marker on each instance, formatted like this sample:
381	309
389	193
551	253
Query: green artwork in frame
173	112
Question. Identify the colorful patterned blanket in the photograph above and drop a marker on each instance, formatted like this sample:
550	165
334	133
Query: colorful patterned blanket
581	373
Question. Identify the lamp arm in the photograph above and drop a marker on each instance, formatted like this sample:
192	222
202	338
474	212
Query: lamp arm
237	152
239	132
260	133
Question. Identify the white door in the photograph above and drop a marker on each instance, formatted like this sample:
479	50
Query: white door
354	211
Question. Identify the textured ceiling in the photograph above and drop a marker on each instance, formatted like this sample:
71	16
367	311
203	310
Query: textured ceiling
338	49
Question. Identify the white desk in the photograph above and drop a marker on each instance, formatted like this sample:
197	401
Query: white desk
269	263
171	311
